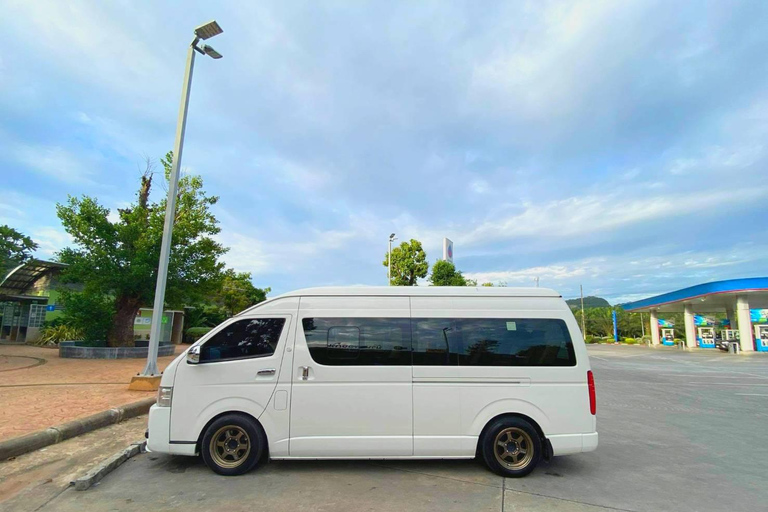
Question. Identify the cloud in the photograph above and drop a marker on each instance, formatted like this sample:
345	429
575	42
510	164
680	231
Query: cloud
55	162
602	141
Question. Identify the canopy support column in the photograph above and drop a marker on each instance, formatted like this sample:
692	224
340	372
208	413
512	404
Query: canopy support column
690	328
654	327
745	324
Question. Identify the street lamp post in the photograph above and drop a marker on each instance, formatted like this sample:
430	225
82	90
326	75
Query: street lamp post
389	260
149	378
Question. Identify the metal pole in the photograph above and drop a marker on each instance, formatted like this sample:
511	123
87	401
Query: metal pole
170	212
389	264
583	323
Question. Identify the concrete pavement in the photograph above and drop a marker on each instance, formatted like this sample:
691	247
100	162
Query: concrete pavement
679	431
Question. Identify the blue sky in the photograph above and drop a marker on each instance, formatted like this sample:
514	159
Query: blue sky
618	145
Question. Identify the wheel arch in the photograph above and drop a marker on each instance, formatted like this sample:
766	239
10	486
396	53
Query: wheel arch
198	445
533	422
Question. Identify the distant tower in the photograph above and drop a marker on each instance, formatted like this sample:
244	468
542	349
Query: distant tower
447	250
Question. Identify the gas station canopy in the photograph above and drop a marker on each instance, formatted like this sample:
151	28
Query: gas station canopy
715	297
744	302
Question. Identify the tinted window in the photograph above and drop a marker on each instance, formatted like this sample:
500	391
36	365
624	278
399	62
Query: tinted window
245	338
492	342
359	341
435	342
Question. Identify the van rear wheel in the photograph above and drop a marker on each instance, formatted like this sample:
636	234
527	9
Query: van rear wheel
232	444
511	447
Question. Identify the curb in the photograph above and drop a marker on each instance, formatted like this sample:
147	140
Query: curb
42	438
96	474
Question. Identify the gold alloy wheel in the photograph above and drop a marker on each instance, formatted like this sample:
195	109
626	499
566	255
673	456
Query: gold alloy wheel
229	446
513	448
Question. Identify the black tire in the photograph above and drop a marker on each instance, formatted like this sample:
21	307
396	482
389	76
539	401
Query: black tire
522	448
233	444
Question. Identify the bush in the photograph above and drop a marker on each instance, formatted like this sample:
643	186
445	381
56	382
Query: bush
195	333
630	341
590	339
91	313
53	335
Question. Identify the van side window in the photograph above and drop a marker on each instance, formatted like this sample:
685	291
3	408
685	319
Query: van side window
515	342
256	337
359	341
491	342
436	342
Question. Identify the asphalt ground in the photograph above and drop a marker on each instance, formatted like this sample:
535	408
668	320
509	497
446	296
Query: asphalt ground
679	431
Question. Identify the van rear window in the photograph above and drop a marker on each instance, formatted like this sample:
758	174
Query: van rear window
492	342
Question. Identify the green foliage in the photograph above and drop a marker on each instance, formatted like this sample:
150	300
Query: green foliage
589	302
15	249
204	315
53	335
89	313
444	273
409	262
195	333
590	339
630	341
238	292
119	259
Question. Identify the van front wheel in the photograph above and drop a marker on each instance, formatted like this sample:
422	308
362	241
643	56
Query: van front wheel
511	447
232	444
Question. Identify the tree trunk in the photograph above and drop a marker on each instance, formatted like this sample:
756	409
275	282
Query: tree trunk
121	333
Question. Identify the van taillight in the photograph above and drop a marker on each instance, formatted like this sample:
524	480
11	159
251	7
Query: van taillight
591	386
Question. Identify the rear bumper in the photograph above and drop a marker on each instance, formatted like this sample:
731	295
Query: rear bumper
566	444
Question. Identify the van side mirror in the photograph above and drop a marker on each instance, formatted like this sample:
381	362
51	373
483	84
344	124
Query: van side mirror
193	355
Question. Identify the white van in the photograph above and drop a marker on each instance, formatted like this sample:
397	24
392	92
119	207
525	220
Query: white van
383	373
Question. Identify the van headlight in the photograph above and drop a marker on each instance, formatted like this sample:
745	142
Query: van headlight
164	395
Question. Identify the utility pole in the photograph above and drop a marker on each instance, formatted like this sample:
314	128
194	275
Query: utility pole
389	260
583	323
149	378
537	281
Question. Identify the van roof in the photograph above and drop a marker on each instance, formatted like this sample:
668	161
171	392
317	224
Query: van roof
429	291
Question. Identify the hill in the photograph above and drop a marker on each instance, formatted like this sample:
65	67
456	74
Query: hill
589	302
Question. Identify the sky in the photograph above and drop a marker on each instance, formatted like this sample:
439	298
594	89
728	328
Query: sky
616	145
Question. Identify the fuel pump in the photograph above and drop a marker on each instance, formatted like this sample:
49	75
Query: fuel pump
761	338
730	335
668	337
706	337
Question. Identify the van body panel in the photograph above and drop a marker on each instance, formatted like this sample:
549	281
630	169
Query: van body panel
346	410
204	390
276	416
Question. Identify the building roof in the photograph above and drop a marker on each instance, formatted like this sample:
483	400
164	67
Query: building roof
708	297
22	277
414	291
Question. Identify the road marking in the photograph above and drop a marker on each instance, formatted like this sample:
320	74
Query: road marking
729	384
750	394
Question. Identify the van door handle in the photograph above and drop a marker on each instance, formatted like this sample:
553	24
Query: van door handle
266	371
305	373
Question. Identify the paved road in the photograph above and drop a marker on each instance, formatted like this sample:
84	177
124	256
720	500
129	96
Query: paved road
678	431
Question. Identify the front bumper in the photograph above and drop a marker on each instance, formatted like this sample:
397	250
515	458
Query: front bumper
159	429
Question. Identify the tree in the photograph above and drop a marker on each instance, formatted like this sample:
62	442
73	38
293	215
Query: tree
444	273
409	262
238	292
118	260
15	249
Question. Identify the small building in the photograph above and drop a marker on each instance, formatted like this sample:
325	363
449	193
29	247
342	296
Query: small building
29	296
